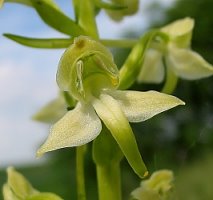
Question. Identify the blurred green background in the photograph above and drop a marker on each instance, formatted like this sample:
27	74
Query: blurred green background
180	139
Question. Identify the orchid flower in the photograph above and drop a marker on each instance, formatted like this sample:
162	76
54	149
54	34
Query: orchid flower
157	187
175	54
87	71
18	188
55	109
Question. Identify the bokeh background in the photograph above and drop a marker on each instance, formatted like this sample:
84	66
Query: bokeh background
180	139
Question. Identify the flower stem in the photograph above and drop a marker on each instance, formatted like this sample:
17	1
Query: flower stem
171	81
125	43
109	186
107	157
86	17
81	192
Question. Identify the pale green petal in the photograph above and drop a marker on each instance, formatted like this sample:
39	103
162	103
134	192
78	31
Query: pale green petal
113	117
152	70
188	64
140	106
52	112
160	181
19	184
180	31
144	194
76	128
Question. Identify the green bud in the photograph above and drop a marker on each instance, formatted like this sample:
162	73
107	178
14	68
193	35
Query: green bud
130	8
19	188
157	187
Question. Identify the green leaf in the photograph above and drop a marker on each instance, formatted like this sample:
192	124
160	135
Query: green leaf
78	126
51	43
54	17
44	196
109	110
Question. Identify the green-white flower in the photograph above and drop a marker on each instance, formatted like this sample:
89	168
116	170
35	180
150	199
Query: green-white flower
175	54
55	109
157	187
87	71
18	188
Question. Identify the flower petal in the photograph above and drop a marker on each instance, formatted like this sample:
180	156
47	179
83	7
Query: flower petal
188	64
180	31
113	117
52	112
19	185
76	128
140	106
152	70
8	194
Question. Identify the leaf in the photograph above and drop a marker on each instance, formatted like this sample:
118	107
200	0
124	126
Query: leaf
51	43
54	17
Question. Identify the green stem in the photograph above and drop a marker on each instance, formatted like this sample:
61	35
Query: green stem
109	186
86	17
171	81
107	157
119	43
81	192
